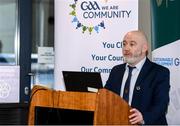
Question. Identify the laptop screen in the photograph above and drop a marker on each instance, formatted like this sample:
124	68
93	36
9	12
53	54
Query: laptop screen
82	81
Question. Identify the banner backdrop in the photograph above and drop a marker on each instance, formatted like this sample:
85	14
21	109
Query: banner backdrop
88	35
166	48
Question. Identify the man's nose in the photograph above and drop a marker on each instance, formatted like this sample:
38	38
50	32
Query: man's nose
126	48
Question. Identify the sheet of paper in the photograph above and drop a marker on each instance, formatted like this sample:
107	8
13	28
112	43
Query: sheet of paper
9	84
45	55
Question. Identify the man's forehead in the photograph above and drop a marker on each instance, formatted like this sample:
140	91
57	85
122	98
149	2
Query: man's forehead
130	37
129	41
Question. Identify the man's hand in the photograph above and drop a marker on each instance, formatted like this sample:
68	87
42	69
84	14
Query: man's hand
136	117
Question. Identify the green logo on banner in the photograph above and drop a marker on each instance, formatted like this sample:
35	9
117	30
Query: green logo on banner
159	2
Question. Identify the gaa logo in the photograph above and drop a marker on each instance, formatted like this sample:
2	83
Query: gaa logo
90	6
86	8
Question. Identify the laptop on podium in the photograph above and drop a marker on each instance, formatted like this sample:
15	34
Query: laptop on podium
82	81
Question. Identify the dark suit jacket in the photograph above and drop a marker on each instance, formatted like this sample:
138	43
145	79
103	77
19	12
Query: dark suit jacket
151	91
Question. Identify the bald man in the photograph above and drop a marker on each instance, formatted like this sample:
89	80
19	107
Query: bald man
142	83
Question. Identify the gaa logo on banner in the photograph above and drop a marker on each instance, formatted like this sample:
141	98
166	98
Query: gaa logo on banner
92	15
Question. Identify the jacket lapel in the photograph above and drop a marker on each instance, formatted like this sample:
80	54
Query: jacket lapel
121	74
142	75
144	71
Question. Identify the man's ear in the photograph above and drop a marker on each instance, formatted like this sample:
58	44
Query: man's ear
145	48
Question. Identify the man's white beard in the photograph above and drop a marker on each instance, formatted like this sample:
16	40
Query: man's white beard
134	59
131	60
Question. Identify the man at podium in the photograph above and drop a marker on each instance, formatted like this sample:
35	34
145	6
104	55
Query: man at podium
142	83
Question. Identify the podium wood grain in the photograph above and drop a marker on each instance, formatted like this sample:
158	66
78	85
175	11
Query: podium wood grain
108	107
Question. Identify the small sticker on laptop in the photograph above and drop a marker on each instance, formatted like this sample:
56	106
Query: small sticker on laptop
91	89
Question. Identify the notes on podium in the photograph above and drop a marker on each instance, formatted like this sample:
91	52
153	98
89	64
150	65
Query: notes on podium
108	107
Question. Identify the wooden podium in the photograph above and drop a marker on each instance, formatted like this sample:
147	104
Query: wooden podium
108	108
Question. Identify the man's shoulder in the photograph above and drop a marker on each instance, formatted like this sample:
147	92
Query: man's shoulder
119	66
159	68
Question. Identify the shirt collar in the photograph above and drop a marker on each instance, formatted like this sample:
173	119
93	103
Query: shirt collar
139	65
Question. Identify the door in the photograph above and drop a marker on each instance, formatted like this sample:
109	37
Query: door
42	63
